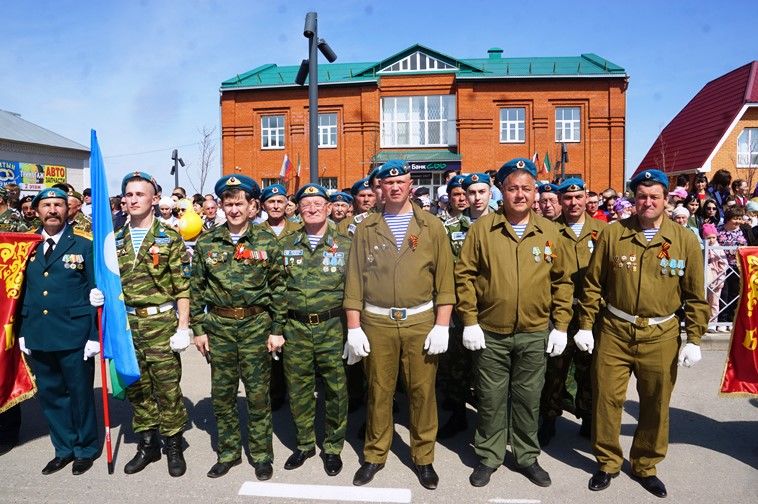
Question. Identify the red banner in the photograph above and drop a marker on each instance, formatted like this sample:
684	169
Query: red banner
16	383
741	373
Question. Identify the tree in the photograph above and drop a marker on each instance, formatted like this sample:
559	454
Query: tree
207	149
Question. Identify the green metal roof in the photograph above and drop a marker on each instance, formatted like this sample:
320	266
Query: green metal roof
428	155
491	67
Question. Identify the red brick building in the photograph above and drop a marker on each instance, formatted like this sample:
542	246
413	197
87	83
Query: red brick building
435	111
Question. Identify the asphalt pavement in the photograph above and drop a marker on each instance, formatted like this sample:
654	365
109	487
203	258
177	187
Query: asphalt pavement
713	457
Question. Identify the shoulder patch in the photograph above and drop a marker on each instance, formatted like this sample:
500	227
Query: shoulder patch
82	233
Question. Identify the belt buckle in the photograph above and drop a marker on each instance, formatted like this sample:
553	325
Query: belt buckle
314	319
141	312
398	314
641	322
239	313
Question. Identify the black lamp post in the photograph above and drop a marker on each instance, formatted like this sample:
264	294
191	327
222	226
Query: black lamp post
175	169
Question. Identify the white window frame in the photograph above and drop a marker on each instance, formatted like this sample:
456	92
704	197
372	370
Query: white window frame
511	127
418	127
329	183
418	62
274	134
327	133
745	158
568	130
265	182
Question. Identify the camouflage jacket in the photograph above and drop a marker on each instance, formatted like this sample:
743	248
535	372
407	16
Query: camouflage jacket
82	223
33	224
315	278
160	271
456	228
12	221
228	275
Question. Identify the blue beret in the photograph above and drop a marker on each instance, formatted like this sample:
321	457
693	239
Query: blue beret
341	196
392	168
551	188
242	182
359	186
475	178
141	175
513	165
53	192
653	175
311	190
372	175
273	190
572	184
456	181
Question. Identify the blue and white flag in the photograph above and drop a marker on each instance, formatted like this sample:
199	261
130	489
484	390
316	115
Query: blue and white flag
117	337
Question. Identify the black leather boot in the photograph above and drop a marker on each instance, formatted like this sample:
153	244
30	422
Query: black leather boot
148	451
176	464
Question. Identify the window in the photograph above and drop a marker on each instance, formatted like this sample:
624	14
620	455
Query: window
415	62
269	182
418	121
512	125
272	132
327	130
747	148
328	183
567	123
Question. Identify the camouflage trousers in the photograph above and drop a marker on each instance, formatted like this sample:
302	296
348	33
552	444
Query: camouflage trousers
551	400
157	396
455	369
313	350
238	349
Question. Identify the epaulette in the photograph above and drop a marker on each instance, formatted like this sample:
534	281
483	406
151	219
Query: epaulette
359	218
452	221
82	233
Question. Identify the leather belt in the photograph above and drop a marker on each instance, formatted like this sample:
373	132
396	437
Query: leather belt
640	322
237	313
315	318
149	311
398	314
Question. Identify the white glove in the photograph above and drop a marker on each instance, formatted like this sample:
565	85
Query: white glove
96	297
556	342
348	354
179	341
22	347
436	340
91	349
690	355
358	342
473	337
584	340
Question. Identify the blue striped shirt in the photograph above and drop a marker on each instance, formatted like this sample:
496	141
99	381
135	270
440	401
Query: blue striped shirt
650	233
138	236
519	229
235	237
577	228
398	224
313	240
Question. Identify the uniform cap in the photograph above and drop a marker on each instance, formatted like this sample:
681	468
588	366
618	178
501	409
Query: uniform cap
52	192
392	168
454	182
513	165
141	175
359	186
475	178
547	188
572	184
341	196
273	190
242	182
311	190
653	175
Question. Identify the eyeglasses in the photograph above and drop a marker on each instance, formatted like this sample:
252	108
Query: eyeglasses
708	209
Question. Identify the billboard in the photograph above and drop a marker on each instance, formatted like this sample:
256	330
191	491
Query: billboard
30	176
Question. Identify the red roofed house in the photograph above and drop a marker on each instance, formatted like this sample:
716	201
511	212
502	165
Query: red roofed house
717	129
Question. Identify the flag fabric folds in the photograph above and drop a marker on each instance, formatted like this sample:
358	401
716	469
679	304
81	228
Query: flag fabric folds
286	172
546	164
117	337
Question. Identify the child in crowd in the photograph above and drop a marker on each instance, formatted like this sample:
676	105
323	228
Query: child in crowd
715	274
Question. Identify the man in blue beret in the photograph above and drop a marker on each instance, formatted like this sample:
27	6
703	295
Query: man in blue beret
398	300
364	202
643	270
58	332
512	282
550	205
581	233
341	203
238	311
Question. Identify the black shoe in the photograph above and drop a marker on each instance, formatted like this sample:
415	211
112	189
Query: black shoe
221	468
586	429
298	458
56	465
263	470
366	473
601	480
176	464
546	431
7	445
455	424
332	464
81	466
536	474
148	451
653	485
426	476
481	475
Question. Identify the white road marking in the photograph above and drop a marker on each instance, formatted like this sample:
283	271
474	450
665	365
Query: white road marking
326	492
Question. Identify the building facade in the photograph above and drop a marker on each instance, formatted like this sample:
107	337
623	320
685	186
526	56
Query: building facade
434	111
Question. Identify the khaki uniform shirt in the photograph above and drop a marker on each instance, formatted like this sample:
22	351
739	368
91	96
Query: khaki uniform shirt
508	285
289	228
629	274
379	274
580	248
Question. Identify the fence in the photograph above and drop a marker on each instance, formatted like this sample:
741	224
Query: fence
722	284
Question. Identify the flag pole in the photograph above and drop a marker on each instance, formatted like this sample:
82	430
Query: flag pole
104	390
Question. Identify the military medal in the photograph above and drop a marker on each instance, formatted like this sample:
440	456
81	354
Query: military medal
680	265
591	245
536	254
549	252
413	241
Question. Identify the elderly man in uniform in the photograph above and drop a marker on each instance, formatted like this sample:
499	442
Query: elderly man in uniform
399	294
341	203
550	205
238	312
59	334
155	272
314	264
512	277
644	268
580	232
28	212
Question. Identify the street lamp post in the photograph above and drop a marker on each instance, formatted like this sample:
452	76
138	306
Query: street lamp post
309	69
175	169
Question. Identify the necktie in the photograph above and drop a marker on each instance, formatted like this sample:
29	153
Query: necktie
50	247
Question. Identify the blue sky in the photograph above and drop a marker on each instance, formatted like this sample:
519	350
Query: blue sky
145	74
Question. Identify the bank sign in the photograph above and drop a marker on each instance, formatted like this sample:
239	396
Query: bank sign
435	166
29	176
